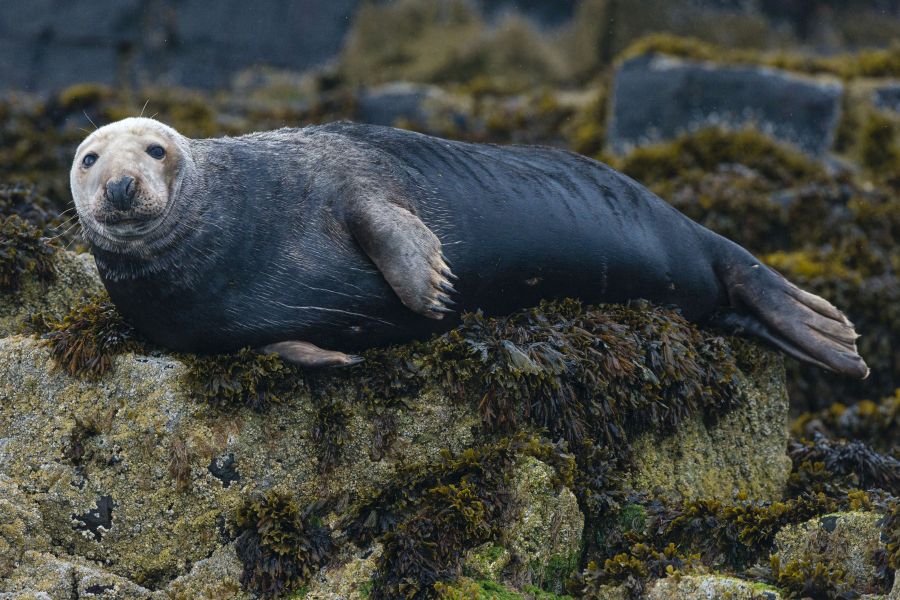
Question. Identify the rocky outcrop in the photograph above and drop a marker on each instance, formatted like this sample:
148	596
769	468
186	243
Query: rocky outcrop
126	486
657	98
846	542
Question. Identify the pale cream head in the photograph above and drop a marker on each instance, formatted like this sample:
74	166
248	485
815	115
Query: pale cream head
123	177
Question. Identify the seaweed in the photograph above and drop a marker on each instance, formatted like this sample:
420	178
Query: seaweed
633	569
244	378
707	149
854	459
876	424
804	579
280	545
330	431
431	515
87	339
23	254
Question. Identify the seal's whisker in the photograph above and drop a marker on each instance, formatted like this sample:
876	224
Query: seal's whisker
89	119
144	107
71	227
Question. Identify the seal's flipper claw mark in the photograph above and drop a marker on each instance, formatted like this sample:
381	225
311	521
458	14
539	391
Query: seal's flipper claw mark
310	355
406	252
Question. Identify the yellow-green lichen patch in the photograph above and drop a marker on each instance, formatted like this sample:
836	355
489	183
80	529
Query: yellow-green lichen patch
705	150
866	63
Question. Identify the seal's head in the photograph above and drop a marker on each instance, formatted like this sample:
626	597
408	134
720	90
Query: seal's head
124	178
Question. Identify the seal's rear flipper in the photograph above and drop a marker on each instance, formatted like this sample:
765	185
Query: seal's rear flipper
310	355
799	323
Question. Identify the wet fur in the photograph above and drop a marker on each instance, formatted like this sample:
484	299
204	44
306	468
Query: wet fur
337	236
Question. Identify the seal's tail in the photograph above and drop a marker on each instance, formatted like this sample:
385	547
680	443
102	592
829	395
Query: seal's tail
801	324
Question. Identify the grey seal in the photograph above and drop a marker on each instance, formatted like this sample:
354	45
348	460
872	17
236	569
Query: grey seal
347	236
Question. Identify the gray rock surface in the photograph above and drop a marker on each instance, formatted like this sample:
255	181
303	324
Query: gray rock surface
657	98
887	96
50	44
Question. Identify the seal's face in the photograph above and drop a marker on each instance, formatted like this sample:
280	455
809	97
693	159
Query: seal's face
123	178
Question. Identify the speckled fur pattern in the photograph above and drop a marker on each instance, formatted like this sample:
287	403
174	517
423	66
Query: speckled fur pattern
349	236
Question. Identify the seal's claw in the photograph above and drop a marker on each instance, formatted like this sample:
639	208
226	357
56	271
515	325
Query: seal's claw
445	299
437	308
447	287
449	274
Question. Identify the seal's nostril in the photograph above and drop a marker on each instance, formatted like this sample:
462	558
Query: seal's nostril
120	193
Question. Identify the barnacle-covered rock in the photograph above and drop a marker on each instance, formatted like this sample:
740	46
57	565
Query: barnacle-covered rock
847	542
222	476
711	587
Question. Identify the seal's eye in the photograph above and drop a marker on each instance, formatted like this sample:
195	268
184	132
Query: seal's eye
89	159
156	151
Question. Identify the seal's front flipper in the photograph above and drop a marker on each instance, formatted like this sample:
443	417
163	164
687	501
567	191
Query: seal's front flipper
310	355
407	253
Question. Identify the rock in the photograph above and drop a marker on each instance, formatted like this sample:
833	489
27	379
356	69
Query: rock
743	451
350	579
656	98
119	42
846	541
60	579
887	97
710	587
130	481
895	593
540	546
76	278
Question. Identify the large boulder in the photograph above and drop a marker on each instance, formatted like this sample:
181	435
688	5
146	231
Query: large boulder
657	98
130	482
846	542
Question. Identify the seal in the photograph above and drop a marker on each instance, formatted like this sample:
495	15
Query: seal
342	236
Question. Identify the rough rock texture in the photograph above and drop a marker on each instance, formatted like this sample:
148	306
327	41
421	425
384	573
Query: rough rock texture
848	541
710	587
76	277
124	478
540	547
895	593
700	461
657	98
